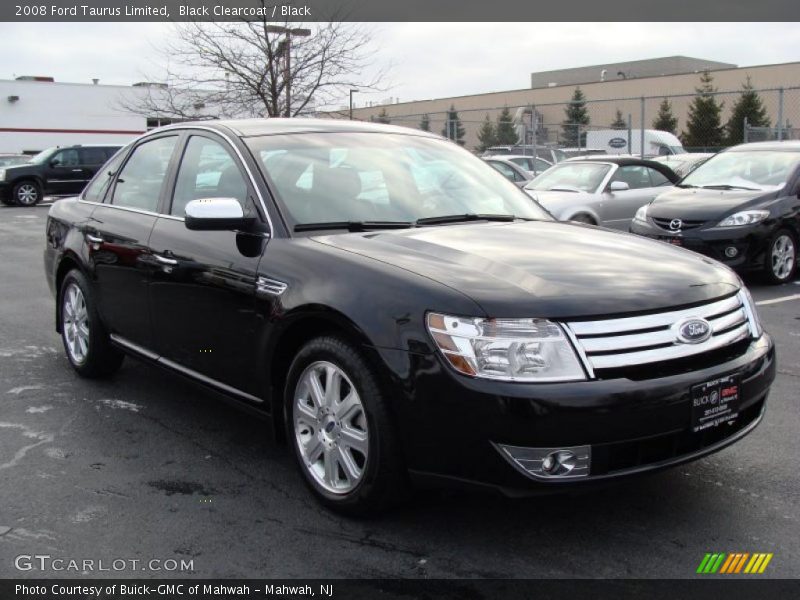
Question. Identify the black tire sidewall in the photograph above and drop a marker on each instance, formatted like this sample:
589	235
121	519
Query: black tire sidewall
27	182
381	467
768	259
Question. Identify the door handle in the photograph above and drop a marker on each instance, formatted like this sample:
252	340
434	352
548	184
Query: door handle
164	260
93	239
77	170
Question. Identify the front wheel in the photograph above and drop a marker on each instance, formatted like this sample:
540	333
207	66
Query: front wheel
339	426
86	341
583	218
27	193
781	261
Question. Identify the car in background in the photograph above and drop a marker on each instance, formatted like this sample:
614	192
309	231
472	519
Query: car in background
578	152
63	171
516	174
551	155
683	164
457	335
740	207
532	164
604	191
9	160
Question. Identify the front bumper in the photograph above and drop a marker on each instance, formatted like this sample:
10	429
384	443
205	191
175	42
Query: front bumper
454	426
750	242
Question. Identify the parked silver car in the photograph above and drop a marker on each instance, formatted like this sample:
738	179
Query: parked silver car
510	170
603	191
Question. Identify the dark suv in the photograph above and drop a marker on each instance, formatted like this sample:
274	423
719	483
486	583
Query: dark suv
401	312
61	171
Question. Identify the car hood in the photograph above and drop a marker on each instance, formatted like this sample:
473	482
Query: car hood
547	269
696	204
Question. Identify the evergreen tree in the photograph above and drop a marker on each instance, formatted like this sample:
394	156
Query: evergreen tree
486	135
383	117
619	121
665	120
576	119
749	106
505	133
703	126
453	129
425	123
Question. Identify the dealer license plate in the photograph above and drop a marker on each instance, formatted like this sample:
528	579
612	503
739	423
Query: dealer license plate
715	403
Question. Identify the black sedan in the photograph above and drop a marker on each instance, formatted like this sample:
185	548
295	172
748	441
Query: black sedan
740	207
400	312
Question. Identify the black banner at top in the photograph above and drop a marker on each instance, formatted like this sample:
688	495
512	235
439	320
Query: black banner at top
399	10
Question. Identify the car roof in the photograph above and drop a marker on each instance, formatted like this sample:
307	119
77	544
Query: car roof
510	156
275	126
624	161
786	146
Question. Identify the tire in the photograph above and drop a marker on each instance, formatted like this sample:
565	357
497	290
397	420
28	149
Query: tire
27	193
8	201
86	342
583	218
345	445
780	263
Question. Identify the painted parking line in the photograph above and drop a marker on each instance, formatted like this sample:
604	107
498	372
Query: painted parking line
777	300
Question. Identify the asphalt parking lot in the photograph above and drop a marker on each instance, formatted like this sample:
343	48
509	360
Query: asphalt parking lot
148	466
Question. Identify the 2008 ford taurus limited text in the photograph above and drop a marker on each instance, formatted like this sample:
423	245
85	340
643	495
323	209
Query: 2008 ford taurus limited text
402	313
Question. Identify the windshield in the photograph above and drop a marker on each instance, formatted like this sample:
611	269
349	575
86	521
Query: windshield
376	177
41	158
753	169
577	177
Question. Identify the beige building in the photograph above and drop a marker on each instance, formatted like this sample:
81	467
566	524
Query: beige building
606	97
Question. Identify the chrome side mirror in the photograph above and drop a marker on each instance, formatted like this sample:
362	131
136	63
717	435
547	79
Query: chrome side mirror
216	214
618	186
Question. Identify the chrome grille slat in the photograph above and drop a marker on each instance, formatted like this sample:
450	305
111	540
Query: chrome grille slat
665	319
632	341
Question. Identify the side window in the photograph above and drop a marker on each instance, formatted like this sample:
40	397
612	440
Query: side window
208	170
66	158
657	178
504	170
140	181
635	176
92	156
96	189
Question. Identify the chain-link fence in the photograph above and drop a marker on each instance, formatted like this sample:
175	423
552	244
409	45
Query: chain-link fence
700	123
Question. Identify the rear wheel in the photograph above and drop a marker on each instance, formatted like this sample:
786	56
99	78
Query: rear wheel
86	341
27	193
338	425
780	265
584	218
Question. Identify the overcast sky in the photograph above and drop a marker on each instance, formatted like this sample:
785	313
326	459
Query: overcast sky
428	60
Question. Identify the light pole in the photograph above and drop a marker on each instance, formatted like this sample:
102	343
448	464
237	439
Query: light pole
351	102
296	32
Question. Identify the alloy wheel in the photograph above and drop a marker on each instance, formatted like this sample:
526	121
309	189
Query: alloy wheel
27	194
330	427
75	323
783	256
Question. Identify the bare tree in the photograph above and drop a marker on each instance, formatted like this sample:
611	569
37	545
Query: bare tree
239	69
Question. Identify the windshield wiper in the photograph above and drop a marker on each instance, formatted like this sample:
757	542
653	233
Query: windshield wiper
685	185
727	186
354	225
463	218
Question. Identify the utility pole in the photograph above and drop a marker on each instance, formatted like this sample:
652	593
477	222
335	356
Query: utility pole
351	103
287	48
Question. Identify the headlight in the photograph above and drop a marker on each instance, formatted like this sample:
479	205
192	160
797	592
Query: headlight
750	310
641	214
745	217
2	174
507	349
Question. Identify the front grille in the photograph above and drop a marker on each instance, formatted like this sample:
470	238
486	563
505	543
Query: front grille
665	224
642	340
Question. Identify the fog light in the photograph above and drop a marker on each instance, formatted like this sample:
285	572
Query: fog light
549	463
731	251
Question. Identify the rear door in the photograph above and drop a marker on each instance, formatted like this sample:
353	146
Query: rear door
203	289
119	235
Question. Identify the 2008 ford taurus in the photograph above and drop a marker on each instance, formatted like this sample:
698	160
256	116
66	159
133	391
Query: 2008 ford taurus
402	313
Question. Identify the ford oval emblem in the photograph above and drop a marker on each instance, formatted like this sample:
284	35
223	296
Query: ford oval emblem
617	142
693	330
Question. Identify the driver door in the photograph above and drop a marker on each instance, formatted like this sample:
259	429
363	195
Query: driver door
620	206
64	174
